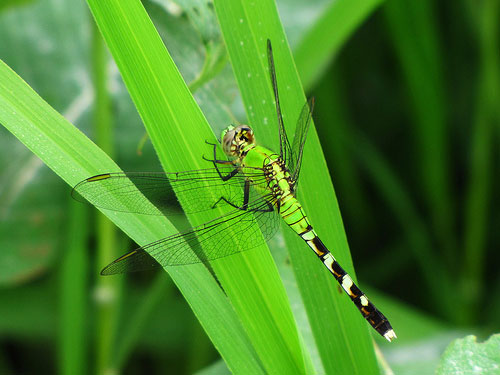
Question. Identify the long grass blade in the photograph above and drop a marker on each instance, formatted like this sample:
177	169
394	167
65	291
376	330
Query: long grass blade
341	334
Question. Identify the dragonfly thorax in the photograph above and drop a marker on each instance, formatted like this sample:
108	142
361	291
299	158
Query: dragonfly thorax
237	141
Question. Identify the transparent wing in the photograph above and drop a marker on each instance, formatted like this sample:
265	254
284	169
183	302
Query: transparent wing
285	149
136	191
299	139
236	231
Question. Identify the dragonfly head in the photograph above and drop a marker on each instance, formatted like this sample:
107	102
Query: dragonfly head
236	140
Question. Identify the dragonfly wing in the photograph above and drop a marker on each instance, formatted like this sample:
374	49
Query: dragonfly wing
134	261
236	231
285	149
155	193
299	140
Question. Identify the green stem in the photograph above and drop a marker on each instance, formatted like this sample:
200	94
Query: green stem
215	60
106	288
74	291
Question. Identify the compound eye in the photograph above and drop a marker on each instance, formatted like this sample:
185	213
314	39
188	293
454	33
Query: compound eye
228	141
229	137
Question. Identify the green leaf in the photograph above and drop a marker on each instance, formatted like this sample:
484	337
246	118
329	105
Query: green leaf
466	356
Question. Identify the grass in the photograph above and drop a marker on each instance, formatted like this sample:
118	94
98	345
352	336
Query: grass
263	320
258	299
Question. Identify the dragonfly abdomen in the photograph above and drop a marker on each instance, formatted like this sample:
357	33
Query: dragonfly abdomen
294	216
376	319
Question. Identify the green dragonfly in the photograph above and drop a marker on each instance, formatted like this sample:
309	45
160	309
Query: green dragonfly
256	187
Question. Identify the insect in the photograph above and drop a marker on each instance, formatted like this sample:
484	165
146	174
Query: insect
255	190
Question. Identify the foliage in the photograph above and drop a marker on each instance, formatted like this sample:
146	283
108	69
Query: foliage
467	356
410	223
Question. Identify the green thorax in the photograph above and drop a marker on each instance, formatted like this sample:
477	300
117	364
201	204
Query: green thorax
278	183
239	143
273	167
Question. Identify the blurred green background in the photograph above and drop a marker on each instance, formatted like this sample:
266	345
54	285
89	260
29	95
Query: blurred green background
408	113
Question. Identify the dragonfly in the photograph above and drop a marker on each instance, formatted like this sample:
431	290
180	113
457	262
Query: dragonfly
255	188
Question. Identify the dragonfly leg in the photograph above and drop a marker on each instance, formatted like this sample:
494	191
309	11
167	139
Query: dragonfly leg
215	161
269	208
246	197
245	207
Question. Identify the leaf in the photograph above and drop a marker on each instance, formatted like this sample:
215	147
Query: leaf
467	356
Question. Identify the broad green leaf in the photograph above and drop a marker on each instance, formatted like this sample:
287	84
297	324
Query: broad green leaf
420	356
467	356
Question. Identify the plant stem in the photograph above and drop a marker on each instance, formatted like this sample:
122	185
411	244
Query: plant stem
106	288
74	290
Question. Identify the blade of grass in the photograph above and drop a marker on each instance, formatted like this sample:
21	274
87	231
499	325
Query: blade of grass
178	131
74	157
341	334
107	289
325	38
